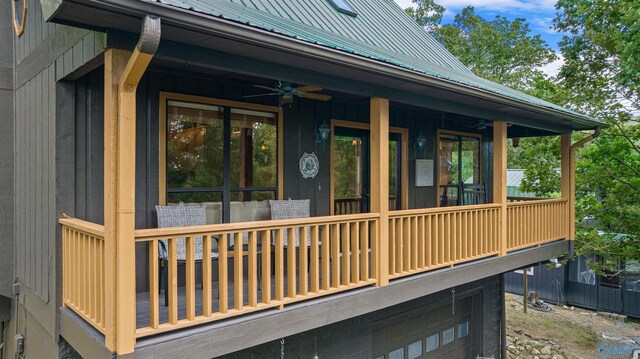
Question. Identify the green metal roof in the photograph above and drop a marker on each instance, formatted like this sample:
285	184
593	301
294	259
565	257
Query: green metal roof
380	31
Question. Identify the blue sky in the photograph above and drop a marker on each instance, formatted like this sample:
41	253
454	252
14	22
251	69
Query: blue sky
539	15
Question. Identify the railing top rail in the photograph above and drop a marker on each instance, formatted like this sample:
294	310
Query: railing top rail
83	226
153	233
536	202
432	210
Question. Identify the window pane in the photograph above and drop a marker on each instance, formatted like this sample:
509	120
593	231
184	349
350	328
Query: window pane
244	196
414	350
632	278
470	158
433	342
463	329
254	148
194	145
348	167
397	354
448	335
393	169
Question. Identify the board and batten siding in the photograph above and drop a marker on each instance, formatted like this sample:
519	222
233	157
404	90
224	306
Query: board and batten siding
45	55
6	152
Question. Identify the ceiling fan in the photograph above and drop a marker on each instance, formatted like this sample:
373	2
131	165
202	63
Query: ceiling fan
481	125
286	92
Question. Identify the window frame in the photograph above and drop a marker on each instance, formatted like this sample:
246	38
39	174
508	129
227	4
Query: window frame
439	133
165	97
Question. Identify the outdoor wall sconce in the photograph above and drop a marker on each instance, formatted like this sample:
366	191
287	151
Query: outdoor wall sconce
322	134
515	142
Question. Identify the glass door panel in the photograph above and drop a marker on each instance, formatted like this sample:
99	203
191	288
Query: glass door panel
351	171
459	170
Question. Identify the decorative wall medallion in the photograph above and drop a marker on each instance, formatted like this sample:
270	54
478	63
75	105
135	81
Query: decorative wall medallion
309	165
19	16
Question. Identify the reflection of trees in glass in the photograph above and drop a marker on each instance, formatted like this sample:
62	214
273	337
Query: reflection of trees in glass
393	168
195	153
346	164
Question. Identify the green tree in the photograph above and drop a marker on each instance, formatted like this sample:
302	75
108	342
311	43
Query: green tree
499	50
427	14
601	48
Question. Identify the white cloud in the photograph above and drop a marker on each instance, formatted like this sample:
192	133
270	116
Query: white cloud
553	68
498	5
404	3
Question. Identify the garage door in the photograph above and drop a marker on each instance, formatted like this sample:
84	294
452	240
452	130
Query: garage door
440	332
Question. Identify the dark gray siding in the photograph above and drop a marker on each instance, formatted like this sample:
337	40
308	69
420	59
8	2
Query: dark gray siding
44	54
547	281
6	151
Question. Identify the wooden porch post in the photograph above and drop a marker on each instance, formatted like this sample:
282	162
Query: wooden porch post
500	179
114	63
123	71
568	182
379	123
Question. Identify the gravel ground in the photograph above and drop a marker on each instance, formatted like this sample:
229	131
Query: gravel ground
567	332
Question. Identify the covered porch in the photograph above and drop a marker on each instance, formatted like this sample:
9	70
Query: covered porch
380	222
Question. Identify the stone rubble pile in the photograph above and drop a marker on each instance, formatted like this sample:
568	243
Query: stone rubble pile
521	345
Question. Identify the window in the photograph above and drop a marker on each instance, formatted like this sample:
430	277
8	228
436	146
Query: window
580	272
343	7
414	350
448	335
223	155
397	353
458	168
632	276
432	342
463	329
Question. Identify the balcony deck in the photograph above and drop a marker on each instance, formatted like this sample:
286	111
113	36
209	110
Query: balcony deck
343	253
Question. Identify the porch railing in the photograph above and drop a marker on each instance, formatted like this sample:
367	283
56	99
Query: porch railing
268	270
425	239
83	276
332	254
535	222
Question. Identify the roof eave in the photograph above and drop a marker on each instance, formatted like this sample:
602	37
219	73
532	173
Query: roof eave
241	32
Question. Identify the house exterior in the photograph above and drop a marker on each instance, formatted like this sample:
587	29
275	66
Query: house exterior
345	113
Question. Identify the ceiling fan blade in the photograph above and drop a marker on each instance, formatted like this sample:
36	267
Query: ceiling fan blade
263	94
316	96
308	89
266	88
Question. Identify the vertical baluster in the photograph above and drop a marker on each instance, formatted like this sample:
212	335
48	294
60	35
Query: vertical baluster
345	231
392	246
173	280
414	251
291	261
303	264
374	241
448	238
238	263
427	239
190	279
92	276
314	267
206	275
335	255
101	281
154	308
355	252
279	263
252	268
223	274
421	241
364	250
399	245
325	256
266	266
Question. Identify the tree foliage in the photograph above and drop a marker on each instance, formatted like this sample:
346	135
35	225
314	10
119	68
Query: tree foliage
600	77
601	48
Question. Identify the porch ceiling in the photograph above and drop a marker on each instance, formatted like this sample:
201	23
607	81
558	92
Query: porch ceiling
291	58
